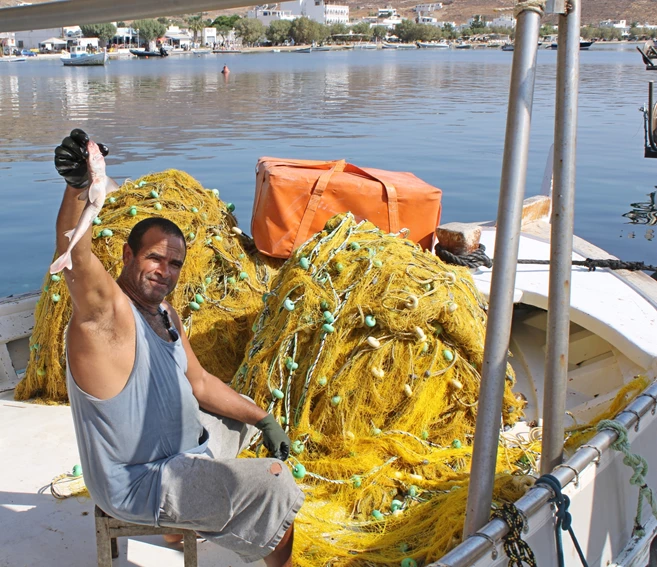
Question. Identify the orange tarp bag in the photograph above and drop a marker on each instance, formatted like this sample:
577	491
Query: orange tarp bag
295	198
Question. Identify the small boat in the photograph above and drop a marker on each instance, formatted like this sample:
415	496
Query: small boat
80	57
303	50
463	46
202	51
11	59
399	45
508	47
229	51
146	53
433	45
365	46
583	45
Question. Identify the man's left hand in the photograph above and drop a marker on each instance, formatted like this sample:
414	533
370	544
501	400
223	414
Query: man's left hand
274	438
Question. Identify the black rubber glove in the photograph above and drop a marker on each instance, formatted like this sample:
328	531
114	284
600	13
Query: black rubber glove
274	438
71	158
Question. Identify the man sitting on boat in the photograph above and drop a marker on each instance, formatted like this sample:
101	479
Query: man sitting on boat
149	454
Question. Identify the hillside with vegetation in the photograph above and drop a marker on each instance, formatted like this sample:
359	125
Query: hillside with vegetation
460	11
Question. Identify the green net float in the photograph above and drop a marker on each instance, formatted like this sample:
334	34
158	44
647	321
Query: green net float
448	355
282	420
199	298
339	267
231	280
208	242
154	194
194	210
452	306
55	297
55	278
356	481
288	304
277	394
324	305
396	505
297	447
408	562
77	470
191	235
403	547
141	184
328	317
424	435
370	321
244	276
208	280
456	444
291	365
425	348
376	431
298	471
354	246
304	262
412	491
377	263
377	515
254	327
335	400
41	372
322	381
97	221
132	211
230	207
111	200
328	328
438	329
218	237
194	306
157	206
46	288
265	297
241	256
106	233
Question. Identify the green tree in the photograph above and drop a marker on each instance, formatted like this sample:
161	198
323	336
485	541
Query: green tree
250	30
302	30
407	31
225	24
478	23
362	29
149	30
279	31
338	29
104	32
120	25
379	32
164	21
196	25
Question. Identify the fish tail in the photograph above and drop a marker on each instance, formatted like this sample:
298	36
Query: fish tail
69	233
96	195
64	261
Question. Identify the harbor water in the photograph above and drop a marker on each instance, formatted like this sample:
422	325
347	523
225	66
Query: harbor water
438	114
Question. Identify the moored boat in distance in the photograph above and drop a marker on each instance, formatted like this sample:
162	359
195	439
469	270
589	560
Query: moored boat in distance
433	45
229	51
80	57
508	47
365	46
386	45
145	53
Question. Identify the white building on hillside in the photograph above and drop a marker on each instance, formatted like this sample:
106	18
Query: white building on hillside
618	24
266	14
427	20
508	22
441	24
428	8
318	10
32	38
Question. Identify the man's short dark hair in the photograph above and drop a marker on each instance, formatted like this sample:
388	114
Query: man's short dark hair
143	226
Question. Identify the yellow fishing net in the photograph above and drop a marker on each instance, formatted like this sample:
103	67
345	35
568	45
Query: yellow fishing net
369	350
218	295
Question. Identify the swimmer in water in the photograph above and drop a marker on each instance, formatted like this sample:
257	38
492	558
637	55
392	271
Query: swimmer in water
225	70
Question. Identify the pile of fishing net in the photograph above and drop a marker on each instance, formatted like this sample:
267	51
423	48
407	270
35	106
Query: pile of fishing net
218	295
369	351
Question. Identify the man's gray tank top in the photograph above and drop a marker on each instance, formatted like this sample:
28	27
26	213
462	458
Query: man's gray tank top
125	440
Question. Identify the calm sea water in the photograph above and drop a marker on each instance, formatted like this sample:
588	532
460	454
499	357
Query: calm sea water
440	115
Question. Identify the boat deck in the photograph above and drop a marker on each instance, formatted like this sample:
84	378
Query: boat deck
37	443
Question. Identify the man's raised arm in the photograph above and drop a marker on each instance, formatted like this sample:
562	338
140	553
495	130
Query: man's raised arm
91	287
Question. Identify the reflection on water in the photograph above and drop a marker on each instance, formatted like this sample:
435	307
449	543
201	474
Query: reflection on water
440	115
644	213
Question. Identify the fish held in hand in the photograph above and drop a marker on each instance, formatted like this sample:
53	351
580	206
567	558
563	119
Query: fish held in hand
101	186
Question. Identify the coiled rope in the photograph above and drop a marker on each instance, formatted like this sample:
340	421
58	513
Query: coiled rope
564	519
480	258
638	465
516	549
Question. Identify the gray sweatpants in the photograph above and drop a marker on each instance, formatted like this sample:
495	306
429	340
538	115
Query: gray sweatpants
245	505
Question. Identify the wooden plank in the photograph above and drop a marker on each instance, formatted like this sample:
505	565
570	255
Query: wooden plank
8	376
16	326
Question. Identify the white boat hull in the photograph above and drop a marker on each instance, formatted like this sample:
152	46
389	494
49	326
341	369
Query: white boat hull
86	60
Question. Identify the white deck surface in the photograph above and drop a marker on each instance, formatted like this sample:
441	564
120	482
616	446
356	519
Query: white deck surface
37	443
619	314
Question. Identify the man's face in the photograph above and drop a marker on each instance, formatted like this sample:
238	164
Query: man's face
154	271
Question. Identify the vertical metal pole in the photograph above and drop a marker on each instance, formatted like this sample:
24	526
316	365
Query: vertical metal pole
561	238
509	216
